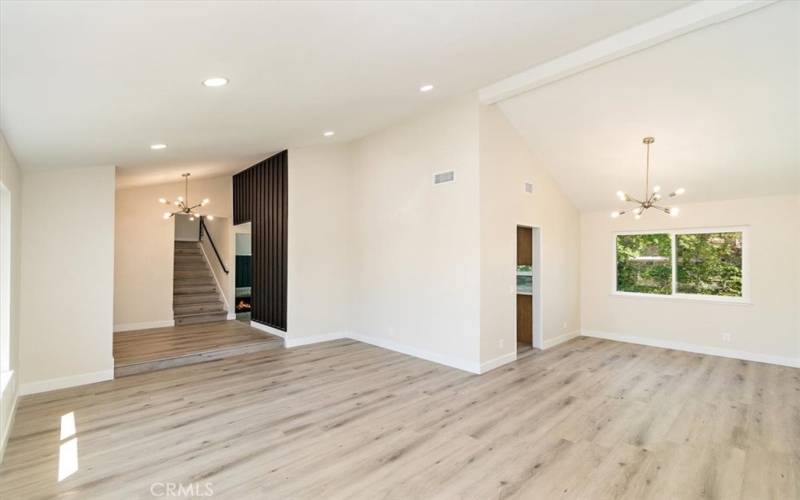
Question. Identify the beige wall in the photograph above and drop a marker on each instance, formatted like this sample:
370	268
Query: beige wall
768	329
10	177
186	229
144	248
67	292
319	244
379	253
506	163
416	246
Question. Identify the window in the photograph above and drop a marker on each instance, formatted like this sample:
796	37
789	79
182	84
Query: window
706	264
525	280
644	263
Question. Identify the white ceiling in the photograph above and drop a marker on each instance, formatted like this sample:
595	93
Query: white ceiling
723	104
92	83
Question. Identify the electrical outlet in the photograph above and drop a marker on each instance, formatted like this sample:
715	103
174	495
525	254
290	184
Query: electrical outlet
501	343
564	325
726	337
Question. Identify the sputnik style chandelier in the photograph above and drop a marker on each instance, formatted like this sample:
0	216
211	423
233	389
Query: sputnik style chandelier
650	198
183	204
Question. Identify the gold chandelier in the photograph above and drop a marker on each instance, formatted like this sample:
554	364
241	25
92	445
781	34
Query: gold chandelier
650	197
182	203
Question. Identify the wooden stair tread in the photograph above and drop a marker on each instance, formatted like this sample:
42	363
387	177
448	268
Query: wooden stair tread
195	296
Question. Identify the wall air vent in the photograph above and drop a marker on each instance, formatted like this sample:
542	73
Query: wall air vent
444	177
529	187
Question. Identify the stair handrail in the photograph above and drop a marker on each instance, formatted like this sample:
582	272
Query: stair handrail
211	240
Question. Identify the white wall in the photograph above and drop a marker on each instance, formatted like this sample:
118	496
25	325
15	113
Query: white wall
416	246
144	248
244	244
768	329
221	230
506	163
185	229
67	294
319	244
10	177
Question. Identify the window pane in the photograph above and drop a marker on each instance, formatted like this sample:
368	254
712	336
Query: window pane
644	263
524	279
710	264
524	284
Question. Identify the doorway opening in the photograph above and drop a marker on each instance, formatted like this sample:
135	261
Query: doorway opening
528	289
244	272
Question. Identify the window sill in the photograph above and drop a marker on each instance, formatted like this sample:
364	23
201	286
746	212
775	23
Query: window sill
739	301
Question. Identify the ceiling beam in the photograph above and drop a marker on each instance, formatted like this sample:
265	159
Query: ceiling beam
693	17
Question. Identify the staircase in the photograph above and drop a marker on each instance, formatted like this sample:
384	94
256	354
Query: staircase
196	298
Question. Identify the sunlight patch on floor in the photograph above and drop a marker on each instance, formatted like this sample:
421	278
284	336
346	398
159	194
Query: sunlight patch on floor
68	450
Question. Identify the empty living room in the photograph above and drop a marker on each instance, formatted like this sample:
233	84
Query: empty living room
400	249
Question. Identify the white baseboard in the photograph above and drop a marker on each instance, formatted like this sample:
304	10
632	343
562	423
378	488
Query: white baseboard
268	329
146	325
65	382
548	343
314	339
695	348
442	359
498	362
5	432
231	316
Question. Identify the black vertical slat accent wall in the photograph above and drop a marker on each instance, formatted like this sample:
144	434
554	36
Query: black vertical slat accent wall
260	196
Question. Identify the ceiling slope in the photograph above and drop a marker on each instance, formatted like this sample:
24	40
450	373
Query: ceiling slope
723	104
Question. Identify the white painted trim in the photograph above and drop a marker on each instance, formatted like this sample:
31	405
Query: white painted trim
538	284
146	325
6	431
745	299
684	296
231	315
65	382
442	359
695	348
548	343
497	362
315	339
693	17
268	329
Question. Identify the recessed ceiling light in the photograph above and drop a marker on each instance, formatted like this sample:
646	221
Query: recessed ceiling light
329	133
157	146
426	88
217	81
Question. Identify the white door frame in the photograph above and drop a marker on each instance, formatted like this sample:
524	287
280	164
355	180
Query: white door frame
538	313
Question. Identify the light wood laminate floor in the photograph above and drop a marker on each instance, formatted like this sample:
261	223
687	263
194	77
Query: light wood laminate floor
158	348
590	419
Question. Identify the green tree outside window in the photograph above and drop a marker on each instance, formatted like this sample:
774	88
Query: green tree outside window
644	263
709	264
705	263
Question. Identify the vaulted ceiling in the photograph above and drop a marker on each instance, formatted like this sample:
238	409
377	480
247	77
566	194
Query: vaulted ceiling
723	104
91	83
